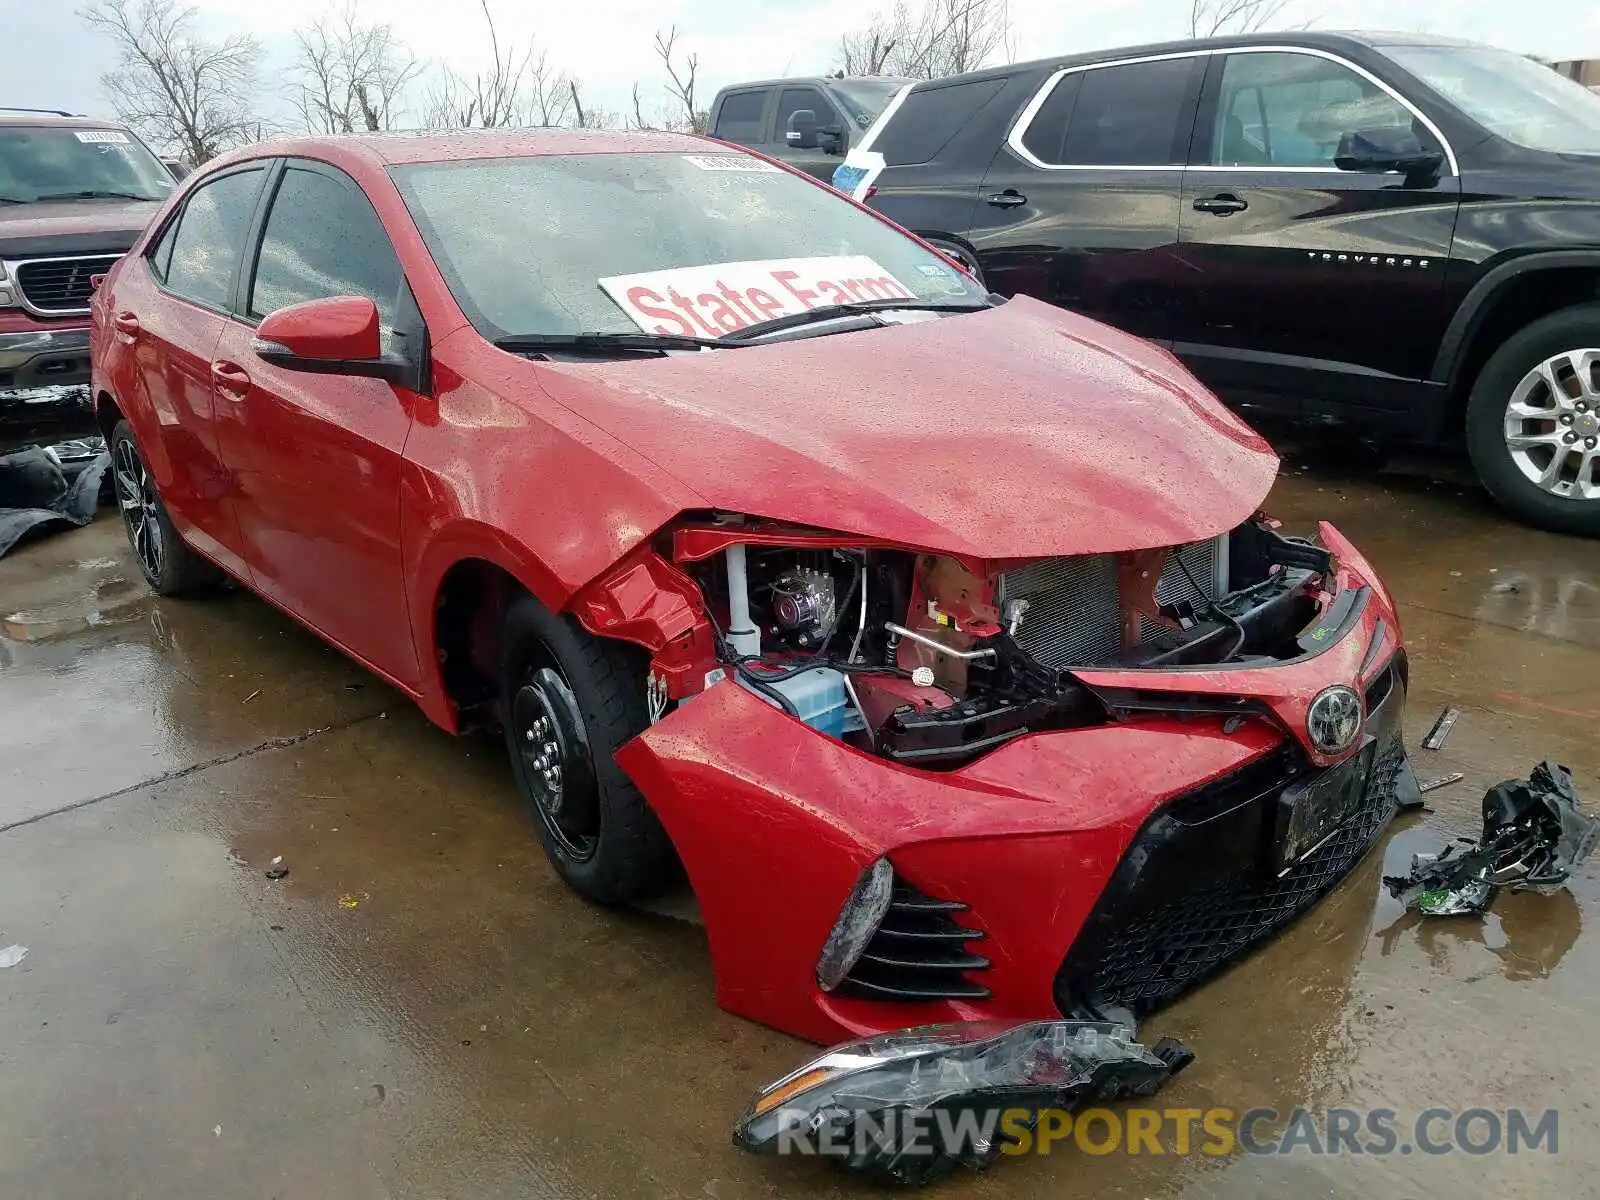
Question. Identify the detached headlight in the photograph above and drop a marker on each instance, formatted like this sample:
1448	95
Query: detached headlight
858	920
910	1106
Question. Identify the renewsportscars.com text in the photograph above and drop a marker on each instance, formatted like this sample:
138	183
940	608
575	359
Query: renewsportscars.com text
1184	1131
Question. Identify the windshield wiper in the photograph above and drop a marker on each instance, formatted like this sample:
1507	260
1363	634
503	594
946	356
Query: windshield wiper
94	194
523	342
854	309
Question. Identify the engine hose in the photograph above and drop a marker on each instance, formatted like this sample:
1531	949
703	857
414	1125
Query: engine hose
771	693
838	611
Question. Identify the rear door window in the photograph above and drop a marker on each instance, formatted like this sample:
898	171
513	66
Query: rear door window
323	239
210	237
739	118
1127	115
929	117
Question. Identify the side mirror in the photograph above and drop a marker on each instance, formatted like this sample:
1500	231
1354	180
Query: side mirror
831	138
1384	150
802	132
336	336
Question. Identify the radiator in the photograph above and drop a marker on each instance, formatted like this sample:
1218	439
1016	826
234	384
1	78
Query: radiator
1074	615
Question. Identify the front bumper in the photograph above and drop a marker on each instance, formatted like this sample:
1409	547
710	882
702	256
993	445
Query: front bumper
775	823
43	357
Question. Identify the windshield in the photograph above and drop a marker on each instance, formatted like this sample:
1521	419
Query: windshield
49	162
687	244
1514	97
864	99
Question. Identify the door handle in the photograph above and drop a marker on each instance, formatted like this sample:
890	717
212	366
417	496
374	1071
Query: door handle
1009	198
1221	205
126	324
230	378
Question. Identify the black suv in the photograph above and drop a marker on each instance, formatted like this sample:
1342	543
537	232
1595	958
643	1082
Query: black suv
808	122
1399	232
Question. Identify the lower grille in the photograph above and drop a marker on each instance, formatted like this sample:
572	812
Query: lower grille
1142	958
1074	613
62	284
918	953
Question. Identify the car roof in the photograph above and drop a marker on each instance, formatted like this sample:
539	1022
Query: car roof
816	80
1319	40
54	120
462	145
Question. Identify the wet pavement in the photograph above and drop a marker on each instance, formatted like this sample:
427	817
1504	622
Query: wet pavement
420	1009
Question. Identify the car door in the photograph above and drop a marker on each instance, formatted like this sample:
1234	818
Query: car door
315	458
742	117
1079	206
1305	283
817	160
169	312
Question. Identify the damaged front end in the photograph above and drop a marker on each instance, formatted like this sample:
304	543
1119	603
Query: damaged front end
1003	788
932	661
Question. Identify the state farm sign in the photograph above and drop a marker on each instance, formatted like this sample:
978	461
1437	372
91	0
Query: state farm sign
711	301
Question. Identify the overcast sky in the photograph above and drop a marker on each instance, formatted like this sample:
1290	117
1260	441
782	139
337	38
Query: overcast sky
51	61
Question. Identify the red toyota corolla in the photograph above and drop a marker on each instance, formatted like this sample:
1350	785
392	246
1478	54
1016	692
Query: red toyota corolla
937	639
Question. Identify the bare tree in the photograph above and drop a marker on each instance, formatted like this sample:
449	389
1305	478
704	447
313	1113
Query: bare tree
927	39
350	75
1209	18
175	87
550	94
867	51
687	114
499	96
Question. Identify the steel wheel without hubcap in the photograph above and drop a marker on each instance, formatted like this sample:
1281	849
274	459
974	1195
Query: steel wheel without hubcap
554	747
136	495
1552	425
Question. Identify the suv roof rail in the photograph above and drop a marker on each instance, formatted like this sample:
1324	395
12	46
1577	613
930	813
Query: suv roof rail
48	112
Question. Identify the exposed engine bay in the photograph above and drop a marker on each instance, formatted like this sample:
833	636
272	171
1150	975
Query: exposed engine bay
931	661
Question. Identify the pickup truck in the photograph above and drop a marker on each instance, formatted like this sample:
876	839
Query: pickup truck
808	122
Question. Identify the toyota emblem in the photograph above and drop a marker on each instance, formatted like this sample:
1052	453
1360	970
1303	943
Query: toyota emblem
1334	721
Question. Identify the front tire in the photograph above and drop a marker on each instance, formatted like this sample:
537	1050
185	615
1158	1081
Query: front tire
168	565
569	701
1533	422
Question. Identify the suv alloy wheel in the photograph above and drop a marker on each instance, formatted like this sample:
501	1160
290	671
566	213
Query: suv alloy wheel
1533	422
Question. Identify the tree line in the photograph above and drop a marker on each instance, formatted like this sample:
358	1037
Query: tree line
197	95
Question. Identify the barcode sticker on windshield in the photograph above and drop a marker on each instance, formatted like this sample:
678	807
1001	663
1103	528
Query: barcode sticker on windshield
102	137
732	162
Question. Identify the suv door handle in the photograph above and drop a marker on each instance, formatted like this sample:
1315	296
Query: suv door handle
230	378
1221	205
126	324
1009	198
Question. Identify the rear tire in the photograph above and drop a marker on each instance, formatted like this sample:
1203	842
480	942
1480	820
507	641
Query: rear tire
168	565
569	701
1536	443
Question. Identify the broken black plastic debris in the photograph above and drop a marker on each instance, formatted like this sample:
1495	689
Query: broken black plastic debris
910	1107
38	495
1534	833
1441	729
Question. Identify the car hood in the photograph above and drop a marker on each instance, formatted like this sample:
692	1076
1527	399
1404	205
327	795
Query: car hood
72	226
1019	432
